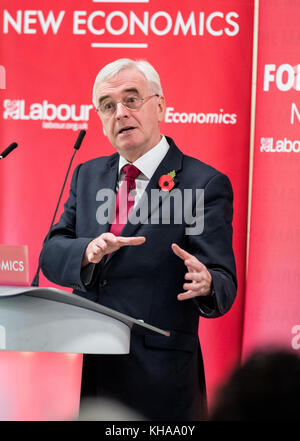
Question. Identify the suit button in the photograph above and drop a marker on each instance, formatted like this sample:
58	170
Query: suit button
103	283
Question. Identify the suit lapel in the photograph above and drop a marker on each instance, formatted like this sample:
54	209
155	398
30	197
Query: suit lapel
172	161
109	181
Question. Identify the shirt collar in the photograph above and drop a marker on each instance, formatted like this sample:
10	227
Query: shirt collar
149	162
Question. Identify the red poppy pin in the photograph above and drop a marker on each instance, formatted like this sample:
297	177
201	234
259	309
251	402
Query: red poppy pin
166	182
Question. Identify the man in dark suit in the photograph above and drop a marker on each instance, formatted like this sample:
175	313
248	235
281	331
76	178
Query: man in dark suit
156	269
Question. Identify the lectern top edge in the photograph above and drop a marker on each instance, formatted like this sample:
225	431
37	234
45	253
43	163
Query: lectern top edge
57	295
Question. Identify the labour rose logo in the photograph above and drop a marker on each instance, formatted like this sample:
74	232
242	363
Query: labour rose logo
11	108
166	182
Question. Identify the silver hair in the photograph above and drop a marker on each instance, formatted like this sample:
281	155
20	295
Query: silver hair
115	67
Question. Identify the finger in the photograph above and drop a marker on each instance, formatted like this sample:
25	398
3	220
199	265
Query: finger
101	244
194	276
189	295
194	264
194	286
106	238
186	295
94	250
93	256
93	259
124	241
180	252
201	288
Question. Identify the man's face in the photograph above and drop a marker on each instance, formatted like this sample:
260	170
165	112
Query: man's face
131	132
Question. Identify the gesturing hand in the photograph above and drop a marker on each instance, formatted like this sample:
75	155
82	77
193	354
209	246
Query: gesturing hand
200	277
107	243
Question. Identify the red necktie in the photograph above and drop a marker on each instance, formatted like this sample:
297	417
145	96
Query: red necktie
125	200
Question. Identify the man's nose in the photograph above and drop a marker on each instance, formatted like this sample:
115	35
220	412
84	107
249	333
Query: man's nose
121	111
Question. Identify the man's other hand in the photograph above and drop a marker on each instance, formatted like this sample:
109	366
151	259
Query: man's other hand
198	274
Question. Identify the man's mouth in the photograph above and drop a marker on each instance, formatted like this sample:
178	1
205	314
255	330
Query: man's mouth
125	130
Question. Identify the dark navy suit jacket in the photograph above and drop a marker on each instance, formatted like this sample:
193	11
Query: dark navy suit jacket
162	377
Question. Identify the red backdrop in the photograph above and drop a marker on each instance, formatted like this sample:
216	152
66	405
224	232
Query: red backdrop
272	313
51	56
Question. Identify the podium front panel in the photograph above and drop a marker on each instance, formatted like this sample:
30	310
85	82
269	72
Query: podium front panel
41	325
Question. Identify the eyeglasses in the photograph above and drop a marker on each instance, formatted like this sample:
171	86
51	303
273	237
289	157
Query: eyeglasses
132	102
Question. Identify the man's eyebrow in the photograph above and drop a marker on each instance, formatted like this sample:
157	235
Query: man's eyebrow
131	89
128	90
102	98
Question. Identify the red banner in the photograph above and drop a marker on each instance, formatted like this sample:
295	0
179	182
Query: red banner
272	315
51	55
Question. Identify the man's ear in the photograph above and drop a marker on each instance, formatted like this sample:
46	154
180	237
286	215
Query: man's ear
161	108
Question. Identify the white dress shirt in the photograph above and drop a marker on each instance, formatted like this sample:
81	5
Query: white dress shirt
147	164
